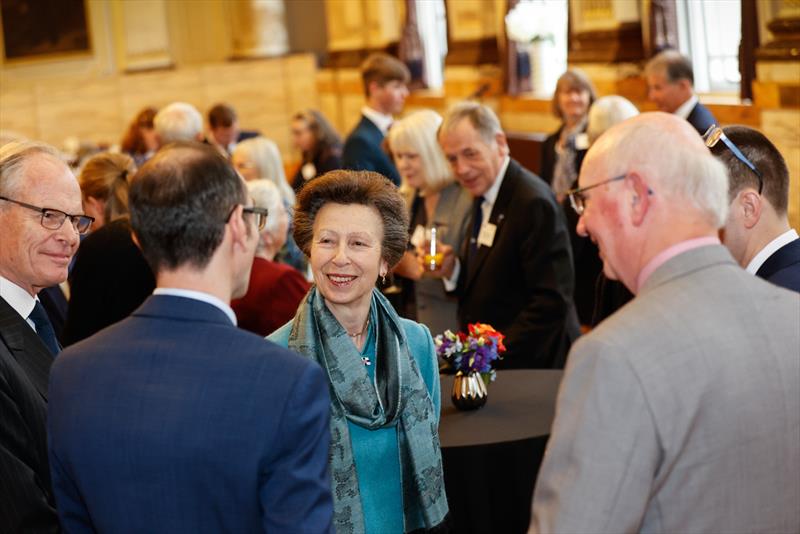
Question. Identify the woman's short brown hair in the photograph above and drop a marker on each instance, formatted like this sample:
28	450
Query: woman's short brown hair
573	78
354	187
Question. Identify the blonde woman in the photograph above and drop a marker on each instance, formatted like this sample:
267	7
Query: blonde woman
259	158
435	200
110	277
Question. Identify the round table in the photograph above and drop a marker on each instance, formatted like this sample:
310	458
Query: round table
491	456
521	405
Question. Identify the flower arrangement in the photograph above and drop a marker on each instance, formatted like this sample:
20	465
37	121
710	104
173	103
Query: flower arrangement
474	352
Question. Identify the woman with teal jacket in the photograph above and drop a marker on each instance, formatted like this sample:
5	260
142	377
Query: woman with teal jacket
385	461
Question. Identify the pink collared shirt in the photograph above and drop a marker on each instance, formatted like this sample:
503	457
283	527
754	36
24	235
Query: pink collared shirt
668	253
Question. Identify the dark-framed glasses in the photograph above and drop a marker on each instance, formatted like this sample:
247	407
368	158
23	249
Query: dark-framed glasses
260	215
52	219
714	135
577	197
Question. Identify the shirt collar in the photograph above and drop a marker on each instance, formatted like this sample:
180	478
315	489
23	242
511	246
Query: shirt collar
379	119
668	253
198	295
17	298
490	195
771	248
686	108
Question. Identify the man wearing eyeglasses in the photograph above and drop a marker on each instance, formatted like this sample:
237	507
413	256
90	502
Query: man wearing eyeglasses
680	412
174	420
757	230
41	217
670	85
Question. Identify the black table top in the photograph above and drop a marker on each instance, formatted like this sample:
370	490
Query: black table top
521	405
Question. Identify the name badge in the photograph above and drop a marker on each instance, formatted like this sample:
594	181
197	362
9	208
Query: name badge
418	237
486	235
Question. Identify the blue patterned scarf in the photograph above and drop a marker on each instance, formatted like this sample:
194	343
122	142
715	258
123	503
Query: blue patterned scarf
398	398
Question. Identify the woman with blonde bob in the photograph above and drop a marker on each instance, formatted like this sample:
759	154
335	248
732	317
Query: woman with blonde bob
435	200
259	158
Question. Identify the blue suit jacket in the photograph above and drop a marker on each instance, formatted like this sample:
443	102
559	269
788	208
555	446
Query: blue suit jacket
701	118
363	151
173	420
783	267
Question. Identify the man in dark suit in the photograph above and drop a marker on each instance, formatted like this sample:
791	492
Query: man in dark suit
515	271
385	86
757	230
670	84
37	241
224	129
174	420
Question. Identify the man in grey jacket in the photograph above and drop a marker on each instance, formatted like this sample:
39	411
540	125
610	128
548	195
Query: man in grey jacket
681	412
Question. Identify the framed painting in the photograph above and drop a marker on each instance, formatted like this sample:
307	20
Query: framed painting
38	29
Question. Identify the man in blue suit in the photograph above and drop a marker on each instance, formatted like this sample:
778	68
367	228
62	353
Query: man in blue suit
757	230
670	84
174	420
386	88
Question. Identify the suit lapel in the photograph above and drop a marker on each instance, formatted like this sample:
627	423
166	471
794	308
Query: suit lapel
787	255
30	353
497	217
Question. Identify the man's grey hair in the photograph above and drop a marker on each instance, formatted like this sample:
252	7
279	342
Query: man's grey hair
178	121
13	157
673	64
674	159
482	118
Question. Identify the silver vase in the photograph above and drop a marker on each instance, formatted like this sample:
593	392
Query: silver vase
469	391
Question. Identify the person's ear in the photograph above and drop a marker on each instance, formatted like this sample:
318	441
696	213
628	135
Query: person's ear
640	197
502	143
384	268
238	227
750	203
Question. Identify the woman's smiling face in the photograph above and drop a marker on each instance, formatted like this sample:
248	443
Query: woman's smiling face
346	253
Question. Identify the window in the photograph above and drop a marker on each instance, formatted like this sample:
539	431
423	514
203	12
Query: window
709	32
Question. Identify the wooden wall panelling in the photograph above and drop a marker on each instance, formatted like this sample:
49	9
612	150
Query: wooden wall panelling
346	21
88	110
782	127
200	31
141	35
18	111
159	88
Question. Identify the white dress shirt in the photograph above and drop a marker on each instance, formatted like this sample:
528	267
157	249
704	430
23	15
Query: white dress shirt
381	120
198	295
771	248
489	198
18	298
686	108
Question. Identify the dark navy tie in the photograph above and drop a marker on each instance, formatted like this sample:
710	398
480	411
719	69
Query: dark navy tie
44	328
477	219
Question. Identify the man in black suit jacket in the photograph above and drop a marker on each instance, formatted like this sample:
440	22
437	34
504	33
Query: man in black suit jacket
670	84
385	86
515	271
757	230
40	214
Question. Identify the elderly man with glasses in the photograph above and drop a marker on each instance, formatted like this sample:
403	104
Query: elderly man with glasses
680	412
41	217
757	230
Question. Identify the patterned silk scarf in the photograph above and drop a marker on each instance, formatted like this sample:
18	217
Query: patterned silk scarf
397	397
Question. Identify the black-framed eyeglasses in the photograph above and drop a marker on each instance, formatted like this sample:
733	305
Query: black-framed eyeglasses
715	134
53	219
577	197
259	213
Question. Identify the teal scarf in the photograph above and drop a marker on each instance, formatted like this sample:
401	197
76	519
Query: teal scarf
398	397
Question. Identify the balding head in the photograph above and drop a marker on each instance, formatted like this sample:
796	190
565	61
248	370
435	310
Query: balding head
669	188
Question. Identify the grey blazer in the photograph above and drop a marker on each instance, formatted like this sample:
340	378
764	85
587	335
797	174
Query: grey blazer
681	412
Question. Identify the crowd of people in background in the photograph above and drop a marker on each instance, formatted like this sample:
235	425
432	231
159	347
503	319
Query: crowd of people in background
629	260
